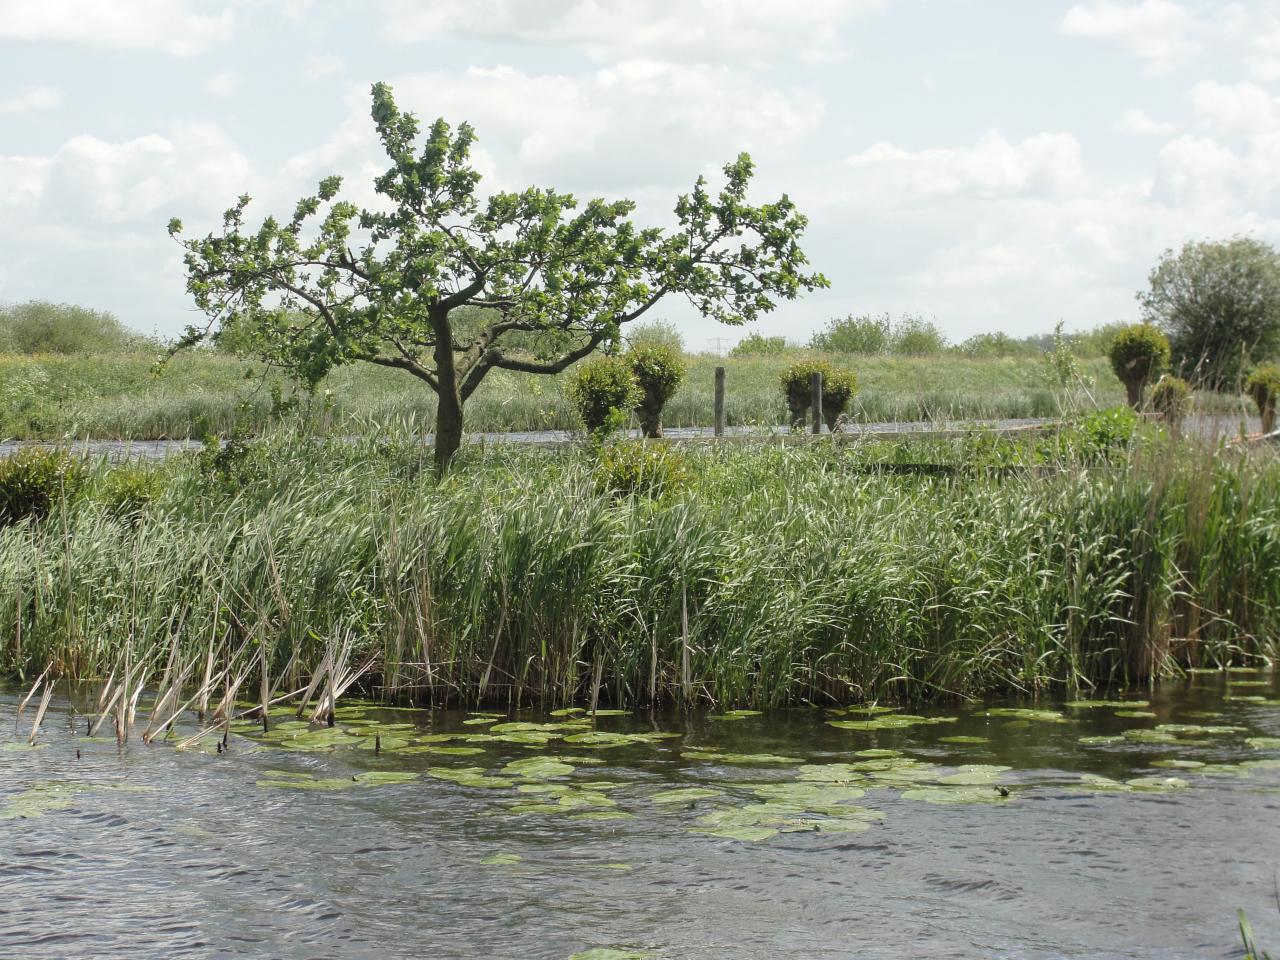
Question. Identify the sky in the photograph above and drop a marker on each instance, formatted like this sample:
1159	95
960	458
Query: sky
987	164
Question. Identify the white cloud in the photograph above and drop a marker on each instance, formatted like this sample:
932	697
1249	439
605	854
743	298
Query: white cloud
627	29
222	84
29	99
94	182
1045	164
321	65
1139	122
1236	108
1160	33
174	26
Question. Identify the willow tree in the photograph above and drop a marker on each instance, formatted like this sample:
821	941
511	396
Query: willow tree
447	284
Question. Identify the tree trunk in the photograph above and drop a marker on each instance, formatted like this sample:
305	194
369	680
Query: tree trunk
649	413
1269	416
1134	389
448	429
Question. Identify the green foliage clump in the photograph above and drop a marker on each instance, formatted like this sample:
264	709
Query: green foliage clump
656	333
1138	354
637	469
126	491
1171	397
757	345
1263	386
997	346
911	336
230	465
603	391
1101	434
659	369
33	481
838	388
867	335
39	326
1219	302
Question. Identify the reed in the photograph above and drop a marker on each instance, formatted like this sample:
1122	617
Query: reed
774	575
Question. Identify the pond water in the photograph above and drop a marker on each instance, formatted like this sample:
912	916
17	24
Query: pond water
1133	827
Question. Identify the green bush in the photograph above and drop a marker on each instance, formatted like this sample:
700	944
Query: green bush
656	333
1263	386
126	491
38	326
1171	398
992	346
229	465
865	335
638	469
33	481
1098	435
602	391
917	337
1138	354
755	345
838	388
659	369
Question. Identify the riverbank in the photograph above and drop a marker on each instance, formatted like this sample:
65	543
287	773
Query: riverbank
125	397
739	576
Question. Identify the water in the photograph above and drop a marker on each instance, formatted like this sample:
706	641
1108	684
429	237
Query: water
196	859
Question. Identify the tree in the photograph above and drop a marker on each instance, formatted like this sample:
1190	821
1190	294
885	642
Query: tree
1138	354
603	391
1220	305
1263	386
384	285
659	369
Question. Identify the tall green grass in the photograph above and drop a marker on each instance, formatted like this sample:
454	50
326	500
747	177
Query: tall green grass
124	396
780	574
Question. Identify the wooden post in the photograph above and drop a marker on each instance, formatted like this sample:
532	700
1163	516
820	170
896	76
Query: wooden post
815	400
719	401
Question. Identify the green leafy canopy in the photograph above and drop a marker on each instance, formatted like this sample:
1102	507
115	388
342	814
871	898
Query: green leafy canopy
335	283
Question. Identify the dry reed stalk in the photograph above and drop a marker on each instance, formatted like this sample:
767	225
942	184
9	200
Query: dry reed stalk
44	705
685	681
32	692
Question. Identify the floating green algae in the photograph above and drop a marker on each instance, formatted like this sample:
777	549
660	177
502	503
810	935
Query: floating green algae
1026	713
1107	704
38	800
1264	743
958	794
743	759
734	715
612	953
761	821
292	780
502	860
964	740
974	775
537	768
891	721
469	777
685	795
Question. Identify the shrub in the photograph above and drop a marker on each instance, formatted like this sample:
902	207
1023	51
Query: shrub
232	464
602	390
126	491
1264	387
39	326
755	345
33	481
990	346
1138	354
656	333
1171	398
917	337
637	469
659	369
1103	434
862	335
838	388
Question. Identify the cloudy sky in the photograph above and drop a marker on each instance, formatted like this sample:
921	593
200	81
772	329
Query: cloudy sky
993	164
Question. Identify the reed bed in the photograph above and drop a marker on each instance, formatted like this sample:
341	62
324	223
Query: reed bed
774	575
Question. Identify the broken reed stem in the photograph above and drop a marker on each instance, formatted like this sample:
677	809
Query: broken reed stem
44	705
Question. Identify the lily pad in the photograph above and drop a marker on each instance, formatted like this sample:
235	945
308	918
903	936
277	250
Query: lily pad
1136	714
1026	713
1178	764
974	775
830	773
1107	704
610	953
502	860
744	759
954	795
963	740
537	768
685	795
468	777
1264	743
601	815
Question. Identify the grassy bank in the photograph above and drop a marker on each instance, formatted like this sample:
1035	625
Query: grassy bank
120	396
761	576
